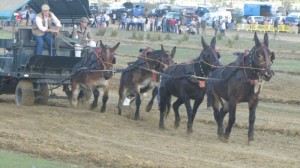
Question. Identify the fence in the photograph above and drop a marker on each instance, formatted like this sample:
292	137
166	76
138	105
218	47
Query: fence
269	28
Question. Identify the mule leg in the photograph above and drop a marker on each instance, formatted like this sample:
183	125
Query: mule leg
68	92
150	104
96	94
121	95
137	103
75	91
252	110
197	103
104	99
231	119
162	107
189	112
216	108
176	106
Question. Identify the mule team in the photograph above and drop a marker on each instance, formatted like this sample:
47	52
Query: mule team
239	81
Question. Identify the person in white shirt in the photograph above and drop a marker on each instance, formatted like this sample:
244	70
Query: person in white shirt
42	30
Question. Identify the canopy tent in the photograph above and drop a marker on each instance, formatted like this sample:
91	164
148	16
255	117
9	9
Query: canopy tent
67	11
8	7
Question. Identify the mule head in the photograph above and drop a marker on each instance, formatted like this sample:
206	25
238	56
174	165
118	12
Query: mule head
210	55
263	57
167	58
107	57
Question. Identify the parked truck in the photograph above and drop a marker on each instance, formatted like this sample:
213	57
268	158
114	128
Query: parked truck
257	10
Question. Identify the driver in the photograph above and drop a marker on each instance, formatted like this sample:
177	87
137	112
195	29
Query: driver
42	30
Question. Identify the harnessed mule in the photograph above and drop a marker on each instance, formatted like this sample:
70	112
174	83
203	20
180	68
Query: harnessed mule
239	82
139	76
95	73
178	81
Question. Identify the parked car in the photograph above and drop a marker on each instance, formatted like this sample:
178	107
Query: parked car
256	19
175	15
291	20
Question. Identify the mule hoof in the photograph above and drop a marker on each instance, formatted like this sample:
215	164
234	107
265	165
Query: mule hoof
161	127
136	118
223	139
190	130
103	110
148	108
93	106
209	109
176	124
250	139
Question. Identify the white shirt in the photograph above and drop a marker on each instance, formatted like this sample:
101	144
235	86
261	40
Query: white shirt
39	22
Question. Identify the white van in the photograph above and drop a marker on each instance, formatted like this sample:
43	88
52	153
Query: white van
294	14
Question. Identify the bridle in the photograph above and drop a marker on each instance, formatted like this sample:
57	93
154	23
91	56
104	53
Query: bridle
201	61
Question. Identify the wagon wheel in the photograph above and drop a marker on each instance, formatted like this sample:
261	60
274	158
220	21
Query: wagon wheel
43	93
24	94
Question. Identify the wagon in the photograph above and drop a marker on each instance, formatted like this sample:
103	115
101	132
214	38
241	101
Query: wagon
30	77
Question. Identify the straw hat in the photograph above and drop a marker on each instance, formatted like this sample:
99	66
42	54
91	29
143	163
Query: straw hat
45	7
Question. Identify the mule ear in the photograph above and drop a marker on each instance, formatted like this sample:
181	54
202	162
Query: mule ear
256	40
116	46
213	42
266	39
101	44
173	52
272	56
204	45
162	48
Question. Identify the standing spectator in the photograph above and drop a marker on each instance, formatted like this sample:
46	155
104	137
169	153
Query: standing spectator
223	28
19	18
128	23
140	23
155	23
123	21
151	23
198	22
159	23
107	19
145	23
179	26
172	23
164	24
215	25
203	26
135	23
27	17
95	20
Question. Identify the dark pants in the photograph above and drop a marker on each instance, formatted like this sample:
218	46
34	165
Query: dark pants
40	43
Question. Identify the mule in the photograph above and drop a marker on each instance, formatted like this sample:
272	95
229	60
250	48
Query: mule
140	76
239	82
98	69
182	82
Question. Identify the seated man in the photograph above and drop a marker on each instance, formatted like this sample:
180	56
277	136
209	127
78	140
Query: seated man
42	30
83	33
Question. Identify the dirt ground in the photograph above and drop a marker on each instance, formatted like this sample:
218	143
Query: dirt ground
93	139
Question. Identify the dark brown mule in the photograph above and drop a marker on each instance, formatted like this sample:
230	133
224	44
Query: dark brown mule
139	76
238	82
103	59
181	81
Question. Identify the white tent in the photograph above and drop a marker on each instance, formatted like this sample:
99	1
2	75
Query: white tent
7	7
